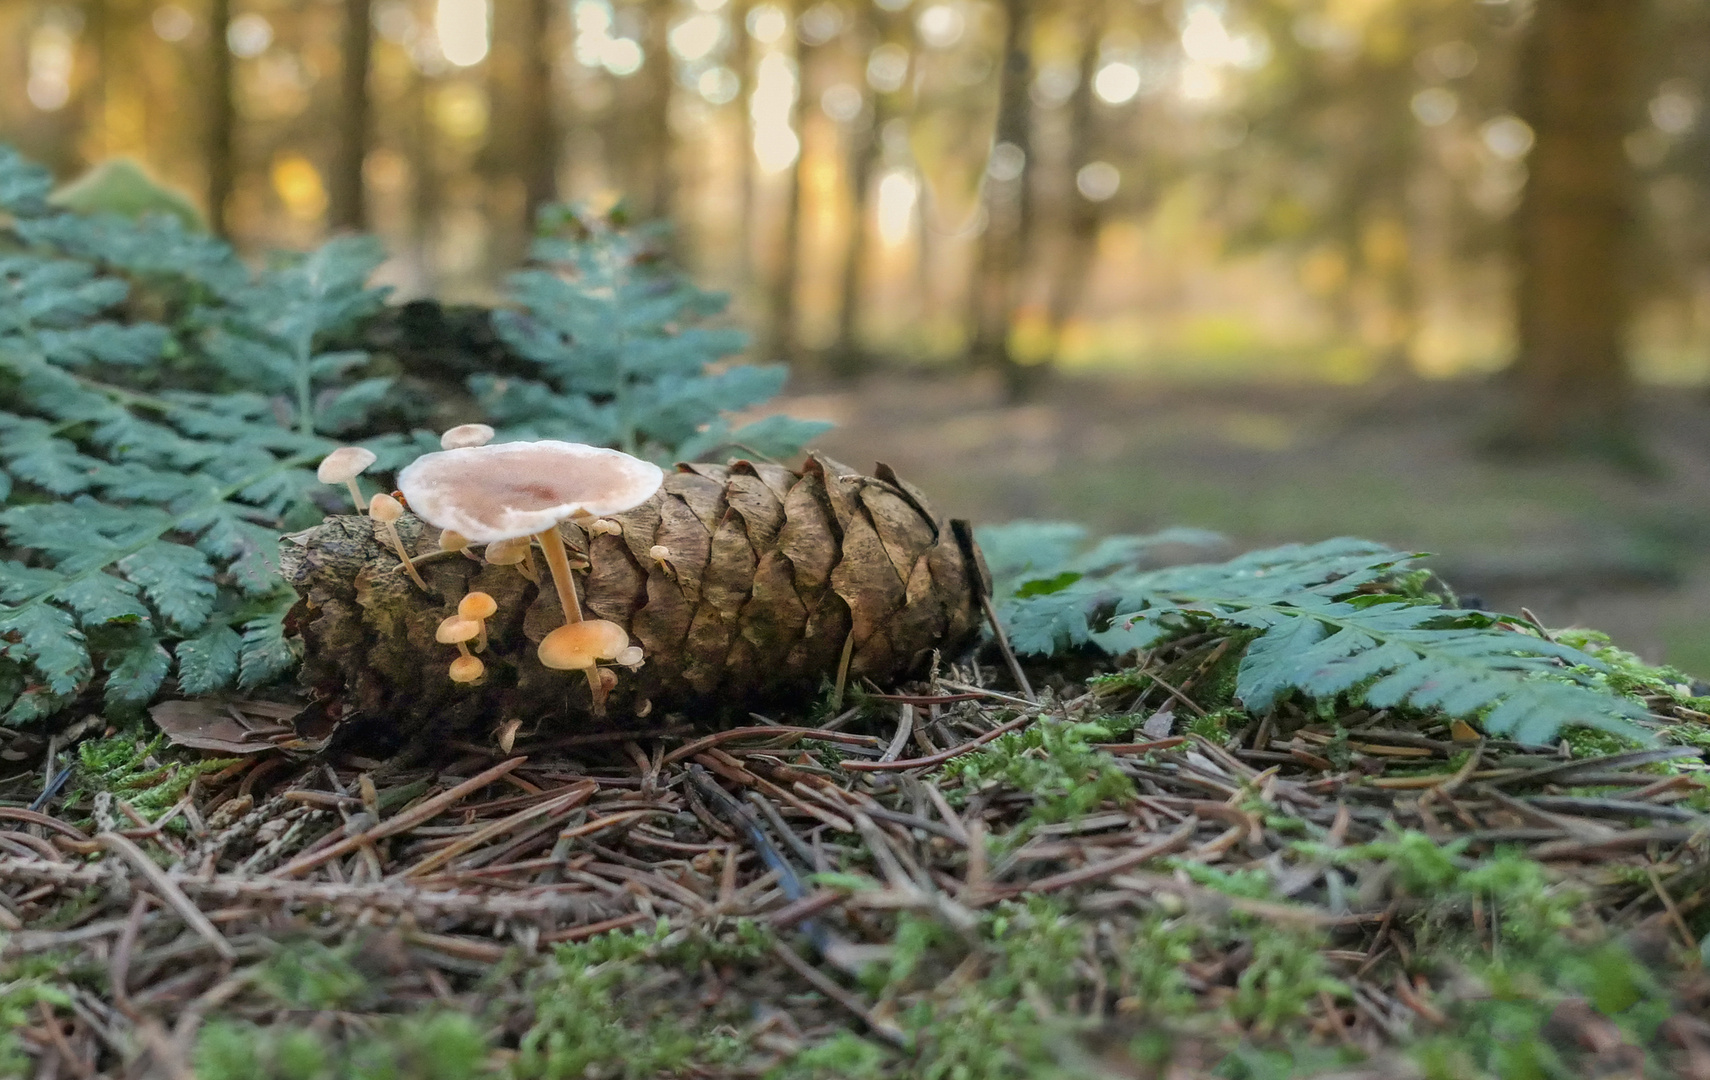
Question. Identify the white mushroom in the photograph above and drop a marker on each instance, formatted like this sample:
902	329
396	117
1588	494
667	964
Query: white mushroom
510	490
464	435
343	466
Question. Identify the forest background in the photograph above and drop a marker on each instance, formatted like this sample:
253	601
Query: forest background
1430	271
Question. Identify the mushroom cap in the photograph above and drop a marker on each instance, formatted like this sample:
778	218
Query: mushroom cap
592	637
457	629
466	435
345	463
467	669
561	655
507	490
382	507
477	605
452	540
508	552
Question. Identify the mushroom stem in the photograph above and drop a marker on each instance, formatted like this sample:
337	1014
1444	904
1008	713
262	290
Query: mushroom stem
481	640
463	647
356	496
553	545
397	543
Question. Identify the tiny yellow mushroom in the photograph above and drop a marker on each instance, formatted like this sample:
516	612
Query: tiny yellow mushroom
385	510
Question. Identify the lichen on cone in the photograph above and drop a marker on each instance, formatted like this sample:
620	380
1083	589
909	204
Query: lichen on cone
770	573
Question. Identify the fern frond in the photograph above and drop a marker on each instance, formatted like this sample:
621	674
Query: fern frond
624	356
1339	620
140	518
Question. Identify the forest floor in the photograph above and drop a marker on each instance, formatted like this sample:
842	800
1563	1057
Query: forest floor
1579	543
1129	877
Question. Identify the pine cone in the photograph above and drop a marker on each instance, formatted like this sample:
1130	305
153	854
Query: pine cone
766	576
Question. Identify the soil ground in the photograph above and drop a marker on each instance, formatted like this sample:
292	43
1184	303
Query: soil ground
1578	542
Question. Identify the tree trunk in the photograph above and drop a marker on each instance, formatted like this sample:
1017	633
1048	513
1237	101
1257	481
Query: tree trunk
781	339
424	187
1008	211
848	357
349	202
653	191
222	118
742	59
539	120
1571	378
1080	248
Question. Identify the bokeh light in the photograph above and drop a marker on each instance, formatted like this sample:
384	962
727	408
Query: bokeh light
462	29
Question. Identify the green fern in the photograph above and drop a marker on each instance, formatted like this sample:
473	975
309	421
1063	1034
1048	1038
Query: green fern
625	355
1344	619
146	467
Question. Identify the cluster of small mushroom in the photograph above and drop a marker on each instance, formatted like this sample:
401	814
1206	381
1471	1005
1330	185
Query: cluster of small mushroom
470	623
508	497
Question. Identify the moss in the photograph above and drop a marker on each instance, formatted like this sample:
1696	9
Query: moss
1054	760
1627	674
590	1019
436	1045
125	766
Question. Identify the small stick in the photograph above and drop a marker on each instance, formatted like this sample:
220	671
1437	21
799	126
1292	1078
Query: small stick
409	819
843	670
905	726
825	985
939	758
1003	647
170	892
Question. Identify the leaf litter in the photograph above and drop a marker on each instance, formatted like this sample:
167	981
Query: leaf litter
1126	877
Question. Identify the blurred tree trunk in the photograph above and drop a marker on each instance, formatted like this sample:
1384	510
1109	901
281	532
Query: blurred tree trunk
521	156
349	205
1081	231
539	121
653	122
848	358
1009	211
780	339
742	59
424	174
1571	378
222	118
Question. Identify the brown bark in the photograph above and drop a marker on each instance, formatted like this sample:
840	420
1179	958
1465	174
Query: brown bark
1009	210
769	574
653	121
222	118
1571	377
349	208
848	357
539	121
780	340
1084	217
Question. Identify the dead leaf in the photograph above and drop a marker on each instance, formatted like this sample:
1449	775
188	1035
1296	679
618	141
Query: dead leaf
240	727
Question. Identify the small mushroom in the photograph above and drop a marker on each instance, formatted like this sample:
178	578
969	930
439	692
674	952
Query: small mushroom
459	631
604	527
343	466
452	540
479	607
510	490
659	553
464	435
466	669
518	552
385	510
632	657
595	638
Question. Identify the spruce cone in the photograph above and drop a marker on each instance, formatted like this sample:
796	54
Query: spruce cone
769	573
